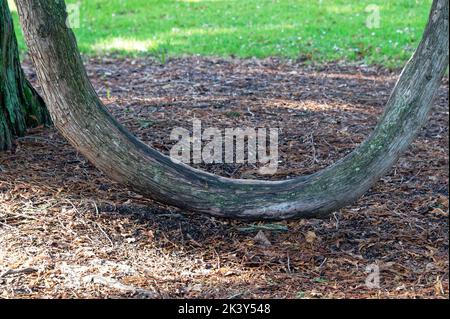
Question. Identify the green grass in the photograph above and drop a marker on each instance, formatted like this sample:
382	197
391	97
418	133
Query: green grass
315	30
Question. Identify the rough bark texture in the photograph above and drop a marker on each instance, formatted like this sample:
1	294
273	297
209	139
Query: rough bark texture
20	105
84	121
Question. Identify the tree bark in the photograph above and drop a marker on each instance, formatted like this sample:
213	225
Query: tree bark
20	105
83	120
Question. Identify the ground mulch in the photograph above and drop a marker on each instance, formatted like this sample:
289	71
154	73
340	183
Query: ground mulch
67	231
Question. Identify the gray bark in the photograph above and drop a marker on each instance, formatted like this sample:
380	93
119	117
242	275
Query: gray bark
83	120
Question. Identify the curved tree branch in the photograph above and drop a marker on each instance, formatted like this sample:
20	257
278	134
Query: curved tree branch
83	120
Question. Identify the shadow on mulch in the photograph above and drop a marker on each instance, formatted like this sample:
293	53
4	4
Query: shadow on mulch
68	231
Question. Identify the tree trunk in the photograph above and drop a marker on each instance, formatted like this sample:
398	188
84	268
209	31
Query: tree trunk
20	105
83	120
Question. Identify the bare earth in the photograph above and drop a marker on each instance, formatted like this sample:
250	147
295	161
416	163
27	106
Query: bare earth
67	231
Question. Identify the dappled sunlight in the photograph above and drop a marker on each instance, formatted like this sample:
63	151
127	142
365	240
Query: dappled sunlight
66	230
318	106
123	44
83	216
314	30
85	246
176	37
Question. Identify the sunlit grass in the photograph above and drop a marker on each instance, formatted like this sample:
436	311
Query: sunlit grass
122	45
312	30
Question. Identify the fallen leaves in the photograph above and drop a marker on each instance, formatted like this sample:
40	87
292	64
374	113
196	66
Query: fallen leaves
310	237
62	217
262	239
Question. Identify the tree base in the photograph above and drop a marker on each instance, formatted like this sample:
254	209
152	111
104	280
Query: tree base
20	105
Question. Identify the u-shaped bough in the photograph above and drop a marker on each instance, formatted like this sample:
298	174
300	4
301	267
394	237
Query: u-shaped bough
82	119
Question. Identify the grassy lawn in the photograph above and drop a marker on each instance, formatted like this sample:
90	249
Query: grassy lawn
316	30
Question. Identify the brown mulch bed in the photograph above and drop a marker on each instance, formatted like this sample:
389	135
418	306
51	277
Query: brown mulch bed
68	231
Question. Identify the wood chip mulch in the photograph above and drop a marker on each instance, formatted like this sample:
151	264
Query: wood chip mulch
67	231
